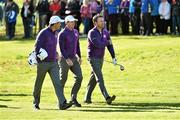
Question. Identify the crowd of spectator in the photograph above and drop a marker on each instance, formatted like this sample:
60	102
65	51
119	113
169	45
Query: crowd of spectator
145	17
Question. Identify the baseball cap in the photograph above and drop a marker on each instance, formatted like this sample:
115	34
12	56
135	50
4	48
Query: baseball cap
70	18
55	19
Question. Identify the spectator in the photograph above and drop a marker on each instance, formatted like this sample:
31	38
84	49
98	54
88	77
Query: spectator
146	18
113	14
176	17
43	10
73	8
95	8
62	11
124	7
86	15
165	13
55	7
155	16
27	14
63	8
135	17
170	20
11	12
1	12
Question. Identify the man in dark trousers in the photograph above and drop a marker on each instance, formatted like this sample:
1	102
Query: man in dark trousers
71	57
47	56
11	11
98	39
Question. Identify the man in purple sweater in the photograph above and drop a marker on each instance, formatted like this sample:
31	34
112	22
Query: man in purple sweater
71	57
98	39
47	40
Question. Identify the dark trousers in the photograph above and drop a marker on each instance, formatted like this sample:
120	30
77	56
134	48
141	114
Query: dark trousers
146	19
96	77
114	19
76	69
42	21
156	20
27	27
53	69
176	24
11	29
135	23
164	23
125	23
86	22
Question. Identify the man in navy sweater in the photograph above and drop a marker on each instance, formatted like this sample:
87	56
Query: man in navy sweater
47	40
98	39
71	57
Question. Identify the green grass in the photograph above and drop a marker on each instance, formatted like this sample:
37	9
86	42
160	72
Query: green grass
148	89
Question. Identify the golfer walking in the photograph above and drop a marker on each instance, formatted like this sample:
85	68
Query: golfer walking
47	62
71	57
98	39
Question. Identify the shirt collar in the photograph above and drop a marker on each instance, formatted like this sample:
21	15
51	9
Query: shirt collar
67	29
95	28
50	30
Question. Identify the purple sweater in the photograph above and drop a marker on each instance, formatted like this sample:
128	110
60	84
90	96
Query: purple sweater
47	40
69	43
97	42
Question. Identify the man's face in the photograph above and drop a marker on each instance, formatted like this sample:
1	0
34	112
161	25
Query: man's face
100	22
71	24
57	25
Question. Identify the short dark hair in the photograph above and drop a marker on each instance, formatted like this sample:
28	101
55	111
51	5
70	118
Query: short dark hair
95	18
52	24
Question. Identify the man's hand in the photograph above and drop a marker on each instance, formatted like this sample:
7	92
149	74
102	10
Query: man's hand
110	42
114	61
80	61
58	56
69	62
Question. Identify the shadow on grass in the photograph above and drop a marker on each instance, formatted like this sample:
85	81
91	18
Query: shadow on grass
148	104
124	107
5	100
15	94
132	107
5	106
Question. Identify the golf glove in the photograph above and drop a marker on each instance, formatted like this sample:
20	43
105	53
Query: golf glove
32	59
114	61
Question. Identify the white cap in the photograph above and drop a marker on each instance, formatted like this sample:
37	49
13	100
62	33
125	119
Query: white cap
70	18
55	19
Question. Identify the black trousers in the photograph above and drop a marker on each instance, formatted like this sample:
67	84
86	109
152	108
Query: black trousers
27	28
11	29
135	23
125	23
114	20
164	24
156	20
146	19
